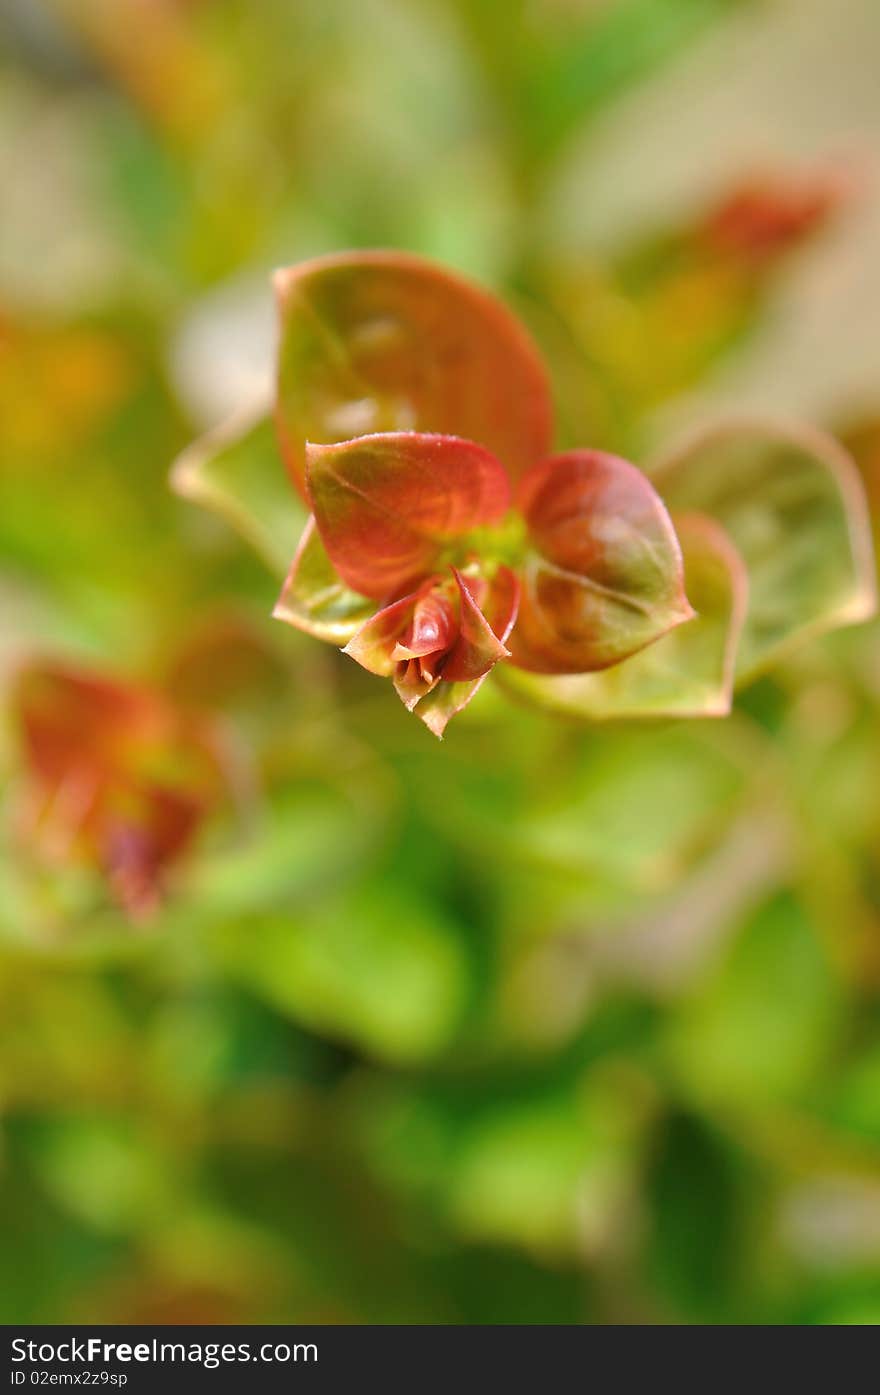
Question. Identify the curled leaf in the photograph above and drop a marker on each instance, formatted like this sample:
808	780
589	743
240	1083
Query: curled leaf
478	647
499	605
687	673
605	577
416	627
236	473
315	599
794	507
386	506
438	637
385	341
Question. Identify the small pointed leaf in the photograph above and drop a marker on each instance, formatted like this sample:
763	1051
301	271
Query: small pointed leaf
376	646
447	698
478	648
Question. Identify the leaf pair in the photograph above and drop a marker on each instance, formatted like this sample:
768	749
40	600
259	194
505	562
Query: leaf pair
600	572
386	510
414	418
446	418
777	549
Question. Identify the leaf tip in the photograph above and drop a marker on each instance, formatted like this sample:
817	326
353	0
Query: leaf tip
283	278
434	720
682	612
183	477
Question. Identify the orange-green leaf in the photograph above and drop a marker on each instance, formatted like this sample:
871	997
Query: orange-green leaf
385	341
687	673
387	505
793	505
605	577
315	599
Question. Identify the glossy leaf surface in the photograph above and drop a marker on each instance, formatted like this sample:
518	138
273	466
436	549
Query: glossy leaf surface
687	673
386	506
385	341
605	576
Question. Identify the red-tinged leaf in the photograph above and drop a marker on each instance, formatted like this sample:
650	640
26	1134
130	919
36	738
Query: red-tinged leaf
413	681
432	629
478	648
140	839
499	606
417	625
794	506
64	715
373	647
387	506
687	673
385	341
498	599
313	597
439	643
606	576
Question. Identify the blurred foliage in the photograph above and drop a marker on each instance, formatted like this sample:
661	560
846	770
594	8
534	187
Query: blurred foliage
553	1023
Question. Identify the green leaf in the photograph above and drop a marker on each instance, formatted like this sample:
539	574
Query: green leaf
687	673
315	599
548	1169
794	507
237	472
767	1017
376	967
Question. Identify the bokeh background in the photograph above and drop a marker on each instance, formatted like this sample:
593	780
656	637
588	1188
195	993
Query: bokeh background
549	1023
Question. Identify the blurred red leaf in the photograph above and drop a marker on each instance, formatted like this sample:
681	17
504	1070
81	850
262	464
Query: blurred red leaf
765	217
118	776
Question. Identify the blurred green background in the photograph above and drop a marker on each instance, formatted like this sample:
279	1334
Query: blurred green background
547	1024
